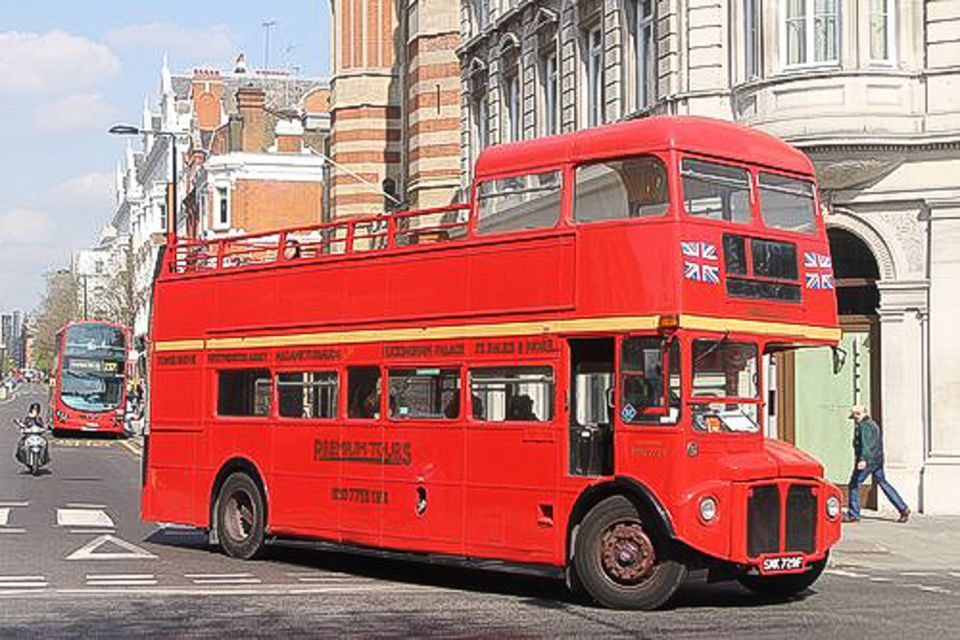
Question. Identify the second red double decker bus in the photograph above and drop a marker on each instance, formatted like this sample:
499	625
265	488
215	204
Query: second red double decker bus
562	376
89	380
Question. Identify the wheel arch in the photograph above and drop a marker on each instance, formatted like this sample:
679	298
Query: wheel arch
650	508
231	466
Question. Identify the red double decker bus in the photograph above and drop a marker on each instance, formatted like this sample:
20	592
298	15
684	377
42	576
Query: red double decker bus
89	381
563	376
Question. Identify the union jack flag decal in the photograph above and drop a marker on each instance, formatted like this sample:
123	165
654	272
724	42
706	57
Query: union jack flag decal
821	274
697	259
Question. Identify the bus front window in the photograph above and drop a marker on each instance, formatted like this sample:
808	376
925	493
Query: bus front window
726	389
93	363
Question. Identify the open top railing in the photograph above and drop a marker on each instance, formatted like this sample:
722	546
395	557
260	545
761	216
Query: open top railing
359	235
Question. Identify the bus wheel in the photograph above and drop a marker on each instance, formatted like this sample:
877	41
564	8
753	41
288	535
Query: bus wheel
240	517
618	562
785	585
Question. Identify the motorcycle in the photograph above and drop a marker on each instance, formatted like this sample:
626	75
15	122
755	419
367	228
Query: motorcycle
33	450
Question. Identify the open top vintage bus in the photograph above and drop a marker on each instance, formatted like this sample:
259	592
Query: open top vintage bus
563	376
89	383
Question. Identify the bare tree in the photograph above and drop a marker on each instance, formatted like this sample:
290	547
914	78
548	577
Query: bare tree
59	306
117	303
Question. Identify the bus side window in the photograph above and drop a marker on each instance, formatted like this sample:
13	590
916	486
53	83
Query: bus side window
363	393
424	393
308	394
512	394
244	392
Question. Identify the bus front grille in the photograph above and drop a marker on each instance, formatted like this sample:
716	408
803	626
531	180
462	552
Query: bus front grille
763	520
801	519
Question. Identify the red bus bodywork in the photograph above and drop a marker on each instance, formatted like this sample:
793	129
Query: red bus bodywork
105	415
396	294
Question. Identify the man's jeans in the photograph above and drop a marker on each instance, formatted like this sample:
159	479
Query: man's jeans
859	475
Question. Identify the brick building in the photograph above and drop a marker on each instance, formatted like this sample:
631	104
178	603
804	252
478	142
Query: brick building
395	103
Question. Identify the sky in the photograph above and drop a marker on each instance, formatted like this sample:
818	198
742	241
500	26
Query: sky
71	68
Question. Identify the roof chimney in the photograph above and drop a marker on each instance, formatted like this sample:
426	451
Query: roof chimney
250	102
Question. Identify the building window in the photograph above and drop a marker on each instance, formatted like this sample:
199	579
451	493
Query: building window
751	38
223	208
593	48
480	113
550	88
812	32
163	216
881	30
645	52
511	99
481	14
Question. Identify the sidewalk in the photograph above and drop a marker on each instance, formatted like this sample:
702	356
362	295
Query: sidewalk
879	542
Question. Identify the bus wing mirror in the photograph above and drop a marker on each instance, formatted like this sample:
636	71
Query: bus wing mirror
839	359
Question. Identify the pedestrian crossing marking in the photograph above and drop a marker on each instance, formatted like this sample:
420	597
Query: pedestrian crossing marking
83	518
130	550
4	516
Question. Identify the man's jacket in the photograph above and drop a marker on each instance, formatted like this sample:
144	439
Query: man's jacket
867	443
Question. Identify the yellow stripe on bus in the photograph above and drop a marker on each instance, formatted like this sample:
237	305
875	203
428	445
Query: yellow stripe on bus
616	323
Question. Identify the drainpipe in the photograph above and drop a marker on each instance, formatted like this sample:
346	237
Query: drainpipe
926	215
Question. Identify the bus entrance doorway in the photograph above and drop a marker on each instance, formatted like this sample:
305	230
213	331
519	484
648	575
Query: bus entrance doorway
592	363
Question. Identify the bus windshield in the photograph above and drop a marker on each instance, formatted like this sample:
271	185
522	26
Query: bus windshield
92	367
726	386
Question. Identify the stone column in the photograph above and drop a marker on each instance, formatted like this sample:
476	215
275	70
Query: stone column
903	313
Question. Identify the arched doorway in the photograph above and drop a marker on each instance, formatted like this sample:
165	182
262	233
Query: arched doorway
815	402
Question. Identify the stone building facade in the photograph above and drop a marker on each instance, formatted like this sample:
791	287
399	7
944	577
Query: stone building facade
867	88
395	104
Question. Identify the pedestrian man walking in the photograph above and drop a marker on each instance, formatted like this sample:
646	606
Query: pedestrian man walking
868	455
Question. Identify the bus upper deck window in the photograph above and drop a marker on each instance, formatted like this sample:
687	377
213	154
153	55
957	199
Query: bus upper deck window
787	203
620	189
716	191
530	201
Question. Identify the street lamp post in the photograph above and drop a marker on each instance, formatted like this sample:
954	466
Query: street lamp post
130	130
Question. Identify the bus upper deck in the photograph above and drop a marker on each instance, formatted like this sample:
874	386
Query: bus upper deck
685	217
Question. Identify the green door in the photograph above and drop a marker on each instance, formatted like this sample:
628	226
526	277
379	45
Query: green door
822	400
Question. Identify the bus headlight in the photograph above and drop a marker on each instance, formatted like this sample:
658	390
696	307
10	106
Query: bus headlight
833	507
708	509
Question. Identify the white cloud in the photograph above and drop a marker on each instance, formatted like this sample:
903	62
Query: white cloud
213	44
91	193
53	62
23	227
75	112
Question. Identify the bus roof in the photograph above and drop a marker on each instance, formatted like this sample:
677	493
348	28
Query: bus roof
708	136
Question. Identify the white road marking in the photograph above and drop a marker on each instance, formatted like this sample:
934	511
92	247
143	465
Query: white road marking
929	589
120	576
12	530
85	505
954	574
918	574
92	531
8	503
83	518
227	581
876	579
845	574
131	551
4	516
217	575
22	582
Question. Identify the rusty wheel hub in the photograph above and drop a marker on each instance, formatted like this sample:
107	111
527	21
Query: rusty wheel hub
626	553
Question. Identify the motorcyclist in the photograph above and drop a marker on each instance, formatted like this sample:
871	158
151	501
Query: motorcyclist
33	420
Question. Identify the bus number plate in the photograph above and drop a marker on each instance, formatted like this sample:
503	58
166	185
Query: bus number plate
783	564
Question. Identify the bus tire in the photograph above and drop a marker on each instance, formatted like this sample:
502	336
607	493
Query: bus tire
241	521
618	561
786	585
